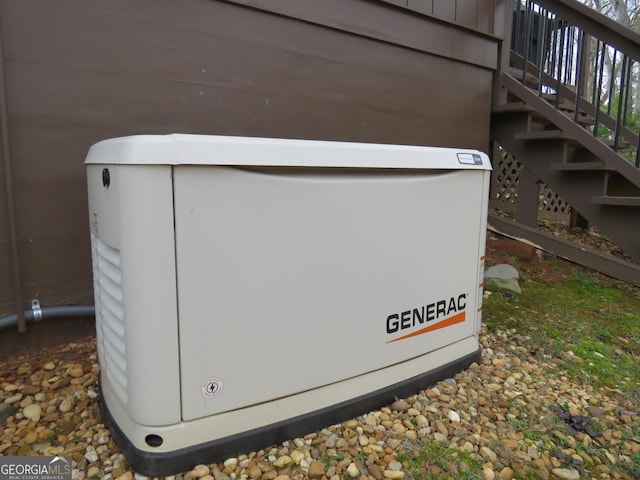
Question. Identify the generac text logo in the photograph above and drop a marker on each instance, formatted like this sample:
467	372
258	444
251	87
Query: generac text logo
450	311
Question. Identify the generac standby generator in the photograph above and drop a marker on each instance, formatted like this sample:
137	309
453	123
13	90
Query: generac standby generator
252	290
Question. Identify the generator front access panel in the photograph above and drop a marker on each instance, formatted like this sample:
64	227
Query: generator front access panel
252	290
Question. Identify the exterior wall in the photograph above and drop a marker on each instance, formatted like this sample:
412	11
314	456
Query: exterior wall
474	14
78	72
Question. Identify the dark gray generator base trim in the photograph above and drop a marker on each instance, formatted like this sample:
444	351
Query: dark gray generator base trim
177	461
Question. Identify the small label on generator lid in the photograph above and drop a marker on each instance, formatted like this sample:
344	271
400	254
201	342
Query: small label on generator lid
469	159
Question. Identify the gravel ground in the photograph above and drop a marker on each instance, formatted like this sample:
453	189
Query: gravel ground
505	414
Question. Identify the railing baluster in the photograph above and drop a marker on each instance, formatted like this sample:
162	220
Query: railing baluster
567	55
517	42
582	42
627	79
543	46
560	62
598	98
616	133
596	66
612	80
554	45
528	37
570	75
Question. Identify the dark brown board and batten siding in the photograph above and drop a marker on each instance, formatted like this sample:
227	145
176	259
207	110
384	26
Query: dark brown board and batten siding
475	14
81	71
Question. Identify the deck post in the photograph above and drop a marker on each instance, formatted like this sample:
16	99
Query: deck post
528	198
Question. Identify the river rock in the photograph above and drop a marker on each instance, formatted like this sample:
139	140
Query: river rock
566	473
316	469
352	470
32	412
393	474
67	404
400	406
199	471
453	416
283	461
13	399
489	454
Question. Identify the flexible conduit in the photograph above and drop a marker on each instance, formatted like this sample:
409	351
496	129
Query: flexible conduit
73	311
8	178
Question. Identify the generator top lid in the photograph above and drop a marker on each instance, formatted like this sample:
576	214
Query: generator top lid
185	149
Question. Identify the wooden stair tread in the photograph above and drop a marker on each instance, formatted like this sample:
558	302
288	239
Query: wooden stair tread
583	119
542	135
560	135
517	73
613	200
622	145
511	107
580	166
563	103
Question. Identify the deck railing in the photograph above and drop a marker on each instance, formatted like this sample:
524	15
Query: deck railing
585	64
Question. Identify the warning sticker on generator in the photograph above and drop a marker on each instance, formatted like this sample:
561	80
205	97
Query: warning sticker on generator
211	387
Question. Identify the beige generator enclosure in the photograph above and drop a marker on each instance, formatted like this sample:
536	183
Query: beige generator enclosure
252	290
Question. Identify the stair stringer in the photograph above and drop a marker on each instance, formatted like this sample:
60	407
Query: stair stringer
619	223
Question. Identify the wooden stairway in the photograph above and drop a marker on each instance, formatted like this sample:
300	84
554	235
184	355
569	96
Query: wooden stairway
555	149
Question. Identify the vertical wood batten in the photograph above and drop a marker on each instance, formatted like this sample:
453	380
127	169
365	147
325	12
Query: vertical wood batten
8	178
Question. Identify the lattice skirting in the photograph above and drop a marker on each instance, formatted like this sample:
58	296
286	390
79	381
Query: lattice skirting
504	190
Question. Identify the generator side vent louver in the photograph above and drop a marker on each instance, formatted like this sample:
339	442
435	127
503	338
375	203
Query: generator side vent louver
111	325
